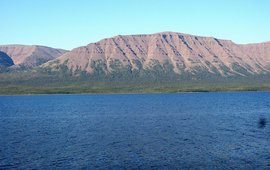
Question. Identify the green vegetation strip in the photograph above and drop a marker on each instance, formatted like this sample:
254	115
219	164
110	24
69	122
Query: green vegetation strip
20	90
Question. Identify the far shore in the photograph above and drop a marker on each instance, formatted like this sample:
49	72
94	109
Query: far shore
28	91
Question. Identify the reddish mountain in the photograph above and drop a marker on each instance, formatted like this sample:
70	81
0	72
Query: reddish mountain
30	56
180	52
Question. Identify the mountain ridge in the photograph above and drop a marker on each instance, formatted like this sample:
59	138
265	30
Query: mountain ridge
161	62
30	55
184	52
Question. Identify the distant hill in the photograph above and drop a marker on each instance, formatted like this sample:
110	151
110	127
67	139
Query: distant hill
31	56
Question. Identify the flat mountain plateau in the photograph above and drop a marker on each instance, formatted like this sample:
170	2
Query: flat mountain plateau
161	62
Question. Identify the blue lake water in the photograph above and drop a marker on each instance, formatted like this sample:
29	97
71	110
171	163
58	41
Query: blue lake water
135	131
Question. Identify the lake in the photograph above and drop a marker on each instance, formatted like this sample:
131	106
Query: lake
136	131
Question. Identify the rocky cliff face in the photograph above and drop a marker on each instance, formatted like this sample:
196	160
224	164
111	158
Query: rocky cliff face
260	54
5	60
180	53
31	56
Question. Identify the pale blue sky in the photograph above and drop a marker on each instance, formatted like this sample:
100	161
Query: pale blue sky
71	23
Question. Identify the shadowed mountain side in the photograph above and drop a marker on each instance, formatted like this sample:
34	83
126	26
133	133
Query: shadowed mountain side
5	60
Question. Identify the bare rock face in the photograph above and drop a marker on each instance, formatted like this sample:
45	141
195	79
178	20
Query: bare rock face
5	60
180	52
260	54
31	56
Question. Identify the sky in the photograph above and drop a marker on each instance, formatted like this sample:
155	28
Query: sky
72	23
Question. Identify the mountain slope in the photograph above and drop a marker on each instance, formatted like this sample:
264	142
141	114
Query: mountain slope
5	60
167	51
31	56
259	52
